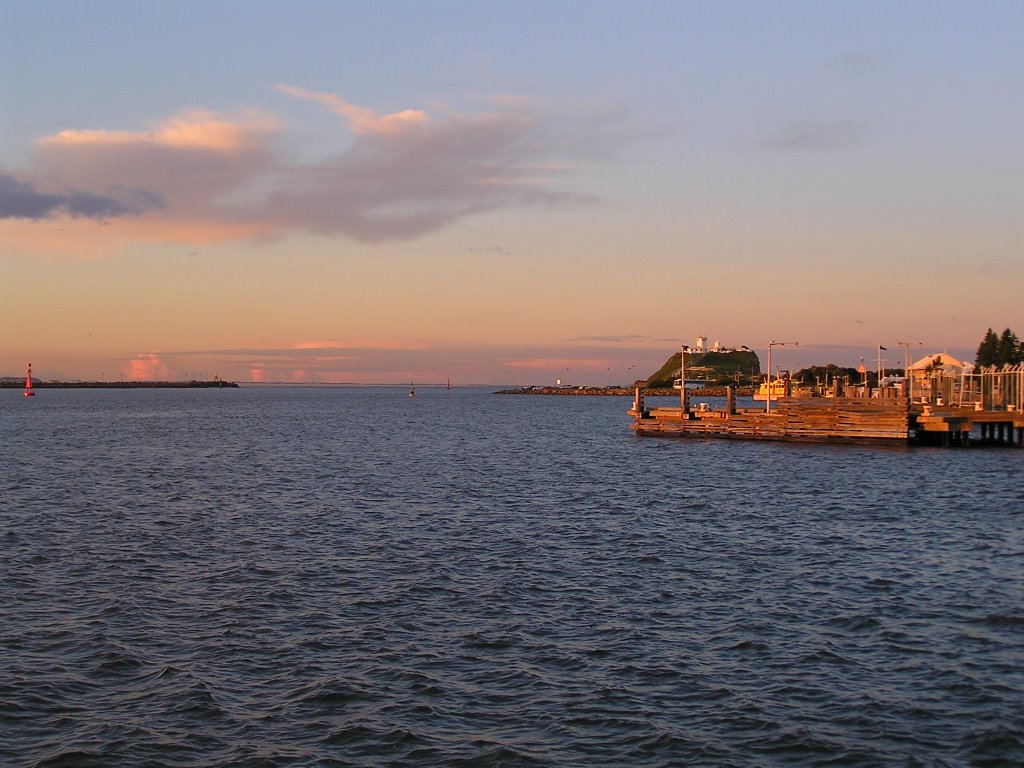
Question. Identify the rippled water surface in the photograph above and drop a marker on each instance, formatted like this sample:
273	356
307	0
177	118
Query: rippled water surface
332	576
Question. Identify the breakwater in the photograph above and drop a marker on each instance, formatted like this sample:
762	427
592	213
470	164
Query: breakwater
216	383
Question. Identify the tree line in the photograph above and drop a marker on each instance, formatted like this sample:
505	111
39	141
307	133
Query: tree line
1003	349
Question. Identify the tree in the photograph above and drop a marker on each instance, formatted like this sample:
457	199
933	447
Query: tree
988	350
1000	350
1009	348
825	373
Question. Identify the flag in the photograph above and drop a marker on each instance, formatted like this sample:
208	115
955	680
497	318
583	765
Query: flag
881	347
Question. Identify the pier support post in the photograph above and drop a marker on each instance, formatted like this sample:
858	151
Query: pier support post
638	403
730	399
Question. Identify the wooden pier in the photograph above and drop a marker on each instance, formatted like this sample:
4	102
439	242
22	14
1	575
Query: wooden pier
859	420
968	426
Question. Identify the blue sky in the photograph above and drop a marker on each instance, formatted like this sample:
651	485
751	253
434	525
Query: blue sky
504	190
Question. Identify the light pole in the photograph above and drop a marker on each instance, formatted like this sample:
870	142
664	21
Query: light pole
906	366
768	397
683	405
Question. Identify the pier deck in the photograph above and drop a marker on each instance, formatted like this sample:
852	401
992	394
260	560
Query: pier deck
954	426
860	420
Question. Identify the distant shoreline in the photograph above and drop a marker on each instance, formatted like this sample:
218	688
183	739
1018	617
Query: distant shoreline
623	391
120	384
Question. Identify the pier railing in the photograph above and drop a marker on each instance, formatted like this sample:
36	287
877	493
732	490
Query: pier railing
1000	388
989	388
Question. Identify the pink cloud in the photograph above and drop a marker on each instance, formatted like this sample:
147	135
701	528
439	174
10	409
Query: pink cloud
358	344
201	176
190	161
192	130
549	363
408	174
148	367
362	120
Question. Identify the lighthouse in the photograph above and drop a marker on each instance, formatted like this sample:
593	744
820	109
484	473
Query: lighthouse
29	392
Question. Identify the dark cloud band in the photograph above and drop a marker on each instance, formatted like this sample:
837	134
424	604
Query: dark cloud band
21	200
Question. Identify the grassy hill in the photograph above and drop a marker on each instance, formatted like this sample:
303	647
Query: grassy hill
716	367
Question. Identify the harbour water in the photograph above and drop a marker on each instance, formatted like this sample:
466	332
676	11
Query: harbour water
348	576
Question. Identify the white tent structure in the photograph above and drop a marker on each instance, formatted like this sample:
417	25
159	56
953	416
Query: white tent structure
940	361
939	378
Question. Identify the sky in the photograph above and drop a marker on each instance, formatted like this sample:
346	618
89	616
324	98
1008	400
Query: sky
503	193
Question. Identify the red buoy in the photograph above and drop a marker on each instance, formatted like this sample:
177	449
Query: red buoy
29	392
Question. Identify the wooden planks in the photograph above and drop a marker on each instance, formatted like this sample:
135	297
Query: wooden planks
885	421
837	420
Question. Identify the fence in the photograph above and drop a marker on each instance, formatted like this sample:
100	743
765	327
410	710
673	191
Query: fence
1001	388
990	388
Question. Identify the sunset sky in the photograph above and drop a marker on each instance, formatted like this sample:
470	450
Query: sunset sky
502	192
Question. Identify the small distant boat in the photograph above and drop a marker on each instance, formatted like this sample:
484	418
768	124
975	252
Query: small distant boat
29	392
412	389
690	383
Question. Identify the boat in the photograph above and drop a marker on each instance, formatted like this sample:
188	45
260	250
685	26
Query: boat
29	392
412	390
776	390
779	387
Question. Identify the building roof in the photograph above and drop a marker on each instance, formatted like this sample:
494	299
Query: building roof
946	360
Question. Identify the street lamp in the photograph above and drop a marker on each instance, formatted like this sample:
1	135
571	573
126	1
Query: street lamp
768	396
906	365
